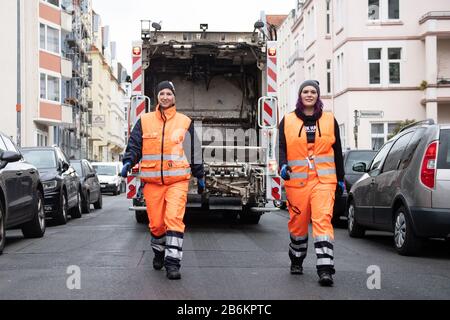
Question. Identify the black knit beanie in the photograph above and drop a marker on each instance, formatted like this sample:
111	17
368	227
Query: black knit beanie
312	83
165	85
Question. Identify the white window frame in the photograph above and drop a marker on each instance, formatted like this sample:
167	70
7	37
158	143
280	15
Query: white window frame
328	17
339	11
46	2
399	61
383	11
384	63
343	136
380	62
52	74
47	25
383	135
38	135
339	78
329	79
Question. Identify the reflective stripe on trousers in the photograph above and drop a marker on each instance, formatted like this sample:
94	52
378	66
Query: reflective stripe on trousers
158	243
171	173
174	248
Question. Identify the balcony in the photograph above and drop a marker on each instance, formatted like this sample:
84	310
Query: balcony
298	55
67	115
66	68
66	21
436	22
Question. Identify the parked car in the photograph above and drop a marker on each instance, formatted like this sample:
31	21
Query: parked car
406	188
21	194
350	158
62	195
109	176
89	185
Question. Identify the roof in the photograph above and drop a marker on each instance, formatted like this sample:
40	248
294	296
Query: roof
276	19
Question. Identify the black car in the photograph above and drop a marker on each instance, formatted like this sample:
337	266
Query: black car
21	194
350	158
61	183
89	185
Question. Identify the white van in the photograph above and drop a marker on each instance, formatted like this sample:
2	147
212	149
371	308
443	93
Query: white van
109	175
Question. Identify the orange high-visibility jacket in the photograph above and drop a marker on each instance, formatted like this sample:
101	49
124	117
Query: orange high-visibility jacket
163	159
301	160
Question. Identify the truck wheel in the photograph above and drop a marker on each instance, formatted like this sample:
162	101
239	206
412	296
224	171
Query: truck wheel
142	217
249	217
406	242
229	216
61	214
35	228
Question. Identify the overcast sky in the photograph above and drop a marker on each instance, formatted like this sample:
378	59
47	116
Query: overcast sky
124	16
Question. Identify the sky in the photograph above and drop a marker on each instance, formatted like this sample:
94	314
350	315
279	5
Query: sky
124	16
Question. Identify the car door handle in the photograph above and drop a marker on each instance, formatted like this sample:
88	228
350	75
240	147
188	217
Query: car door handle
19	173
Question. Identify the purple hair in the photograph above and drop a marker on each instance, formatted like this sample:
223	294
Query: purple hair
318	107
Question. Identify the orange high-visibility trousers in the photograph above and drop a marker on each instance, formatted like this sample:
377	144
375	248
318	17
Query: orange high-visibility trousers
312	202
166	206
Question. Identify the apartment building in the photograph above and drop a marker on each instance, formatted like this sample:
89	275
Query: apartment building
379	62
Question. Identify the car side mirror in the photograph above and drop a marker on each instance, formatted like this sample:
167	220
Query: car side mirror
10	156
360	167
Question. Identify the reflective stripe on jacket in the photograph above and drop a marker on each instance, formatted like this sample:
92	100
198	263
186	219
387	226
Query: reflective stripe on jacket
163	159
300	159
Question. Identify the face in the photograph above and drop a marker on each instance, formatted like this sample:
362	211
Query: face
309	96
166	99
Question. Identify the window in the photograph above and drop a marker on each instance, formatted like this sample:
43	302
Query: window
328	17
328	76
394	57
339	14
9	145
374	9
381	155
42	139
339	79
49	38
444	150
342	136
50	87
381	132
394	9
53	2
411	149
393	159
2	144
374	65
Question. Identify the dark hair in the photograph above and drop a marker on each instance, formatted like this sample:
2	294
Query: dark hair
318	107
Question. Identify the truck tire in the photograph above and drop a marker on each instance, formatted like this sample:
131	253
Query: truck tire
249	217
142	217
35	228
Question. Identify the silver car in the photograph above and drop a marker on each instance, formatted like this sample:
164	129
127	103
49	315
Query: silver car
406	188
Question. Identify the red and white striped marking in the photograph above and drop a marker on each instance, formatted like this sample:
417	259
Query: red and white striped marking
276	188
270	113
272	69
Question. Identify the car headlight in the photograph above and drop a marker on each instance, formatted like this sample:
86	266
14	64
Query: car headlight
50	185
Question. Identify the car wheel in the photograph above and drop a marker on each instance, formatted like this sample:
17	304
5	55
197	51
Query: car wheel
61	215
36	227
2	228
355	230
86	203
99	203
406	242
76	212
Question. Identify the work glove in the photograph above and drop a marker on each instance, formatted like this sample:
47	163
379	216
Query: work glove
201	185
125	169
341	187
285	172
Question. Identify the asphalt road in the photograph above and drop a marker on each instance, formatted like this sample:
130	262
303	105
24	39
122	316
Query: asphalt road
222	261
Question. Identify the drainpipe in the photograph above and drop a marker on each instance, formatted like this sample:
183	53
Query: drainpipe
19	80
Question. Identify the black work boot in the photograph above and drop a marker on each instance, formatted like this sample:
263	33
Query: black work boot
173	273
326	279
158	261
296	269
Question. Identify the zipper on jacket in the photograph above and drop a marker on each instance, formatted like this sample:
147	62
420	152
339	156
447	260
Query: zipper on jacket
162	145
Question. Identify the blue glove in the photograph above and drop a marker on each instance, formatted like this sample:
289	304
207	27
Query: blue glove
341	186
285	172
201	185
125	169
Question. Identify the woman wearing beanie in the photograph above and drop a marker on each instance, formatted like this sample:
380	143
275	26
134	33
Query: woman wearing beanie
158	141
312	166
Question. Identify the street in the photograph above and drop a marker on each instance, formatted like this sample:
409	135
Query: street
222	261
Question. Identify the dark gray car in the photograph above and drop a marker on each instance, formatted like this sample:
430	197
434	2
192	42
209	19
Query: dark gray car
406	188
21	194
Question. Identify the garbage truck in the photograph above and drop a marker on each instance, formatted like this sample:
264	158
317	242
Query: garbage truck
226	83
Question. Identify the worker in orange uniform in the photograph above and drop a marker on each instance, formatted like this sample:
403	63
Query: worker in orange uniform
159	140
311	164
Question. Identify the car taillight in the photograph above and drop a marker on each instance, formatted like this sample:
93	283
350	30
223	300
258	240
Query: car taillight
428	170
135	169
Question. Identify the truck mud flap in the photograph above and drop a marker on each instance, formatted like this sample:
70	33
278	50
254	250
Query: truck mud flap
225	203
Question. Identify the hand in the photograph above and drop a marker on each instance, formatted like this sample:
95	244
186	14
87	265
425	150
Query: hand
285	172
341	187
201	185
125	170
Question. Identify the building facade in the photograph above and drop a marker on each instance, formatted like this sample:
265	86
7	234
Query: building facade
379	63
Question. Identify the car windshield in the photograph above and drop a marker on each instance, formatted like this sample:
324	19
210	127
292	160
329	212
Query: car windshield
358	156
42	159
105	170
77	167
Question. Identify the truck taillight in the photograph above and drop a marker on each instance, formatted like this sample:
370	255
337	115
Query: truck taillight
428	169
273	167
135	169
